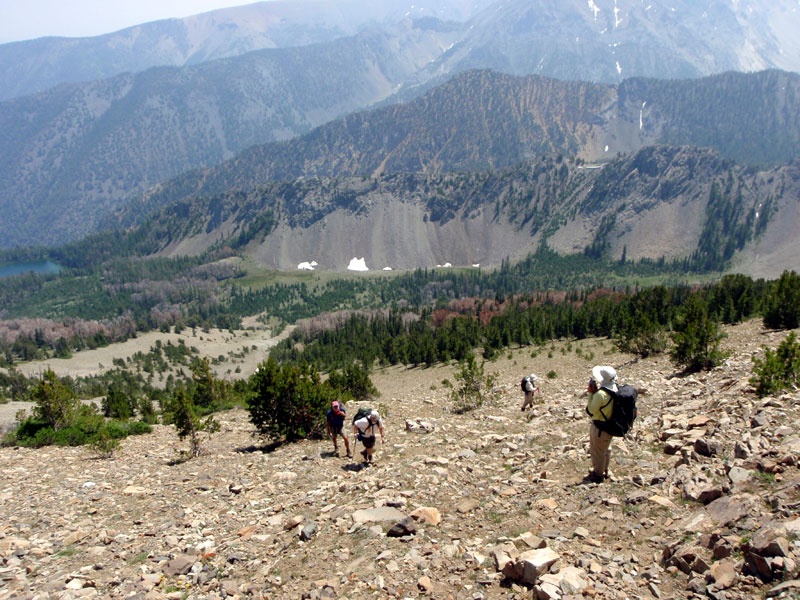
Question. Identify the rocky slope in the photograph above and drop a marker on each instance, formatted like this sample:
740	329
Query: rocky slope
702	503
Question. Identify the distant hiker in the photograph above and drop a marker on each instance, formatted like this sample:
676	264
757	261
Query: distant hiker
530	388
364	428
335	419
599	408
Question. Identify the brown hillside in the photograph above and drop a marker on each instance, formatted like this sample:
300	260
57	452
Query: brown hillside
247	521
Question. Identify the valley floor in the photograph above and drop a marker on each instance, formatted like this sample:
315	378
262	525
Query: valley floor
247	520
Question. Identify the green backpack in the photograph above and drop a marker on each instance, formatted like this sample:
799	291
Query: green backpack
362	413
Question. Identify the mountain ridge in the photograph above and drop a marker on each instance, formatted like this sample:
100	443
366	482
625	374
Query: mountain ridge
660	203
32	66
483	120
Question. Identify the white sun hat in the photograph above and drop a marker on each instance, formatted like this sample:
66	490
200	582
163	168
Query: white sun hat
606	377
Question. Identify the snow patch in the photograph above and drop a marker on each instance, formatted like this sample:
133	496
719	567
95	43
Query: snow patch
617	20
619	69
387	268
476	265
357	264
594	8
307	266
606	148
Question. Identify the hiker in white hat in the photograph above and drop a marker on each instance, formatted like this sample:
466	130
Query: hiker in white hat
599	408
530	388
364	428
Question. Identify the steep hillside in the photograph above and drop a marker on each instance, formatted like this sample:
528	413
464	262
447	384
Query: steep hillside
478	120
70	154
702	501
609	40
483	120
33	66
659	202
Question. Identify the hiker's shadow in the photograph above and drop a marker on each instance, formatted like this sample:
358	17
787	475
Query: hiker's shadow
264	448
355	467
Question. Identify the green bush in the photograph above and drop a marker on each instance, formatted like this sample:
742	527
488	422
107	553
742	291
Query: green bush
103	445
181	412
139	428
87	428
353	383
288	401
117	404
116	430
696	337
779	370
552	374
473	387
782	309
208	393
643	339
43	437
56	404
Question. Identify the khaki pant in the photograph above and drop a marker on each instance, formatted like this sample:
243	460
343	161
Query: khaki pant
528	401
599	443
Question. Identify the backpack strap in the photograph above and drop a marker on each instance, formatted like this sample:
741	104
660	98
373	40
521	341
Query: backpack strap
611	398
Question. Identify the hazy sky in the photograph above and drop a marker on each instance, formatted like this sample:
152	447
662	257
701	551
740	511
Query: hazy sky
26	19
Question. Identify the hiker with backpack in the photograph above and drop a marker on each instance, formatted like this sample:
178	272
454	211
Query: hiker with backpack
335	420
364	429
530	388
612	408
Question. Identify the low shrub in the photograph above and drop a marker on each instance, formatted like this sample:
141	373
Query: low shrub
87	429
779	369
473	386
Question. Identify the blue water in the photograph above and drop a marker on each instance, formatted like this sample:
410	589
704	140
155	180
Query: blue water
37	266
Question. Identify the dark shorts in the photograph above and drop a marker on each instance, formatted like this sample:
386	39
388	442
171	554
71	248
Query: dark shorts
368	442
337	429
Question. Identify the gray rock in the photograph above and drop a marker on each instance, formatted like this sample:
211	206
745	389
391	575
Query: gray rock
180	565
308	531
402	528
739	475
793	584
377	515
730	509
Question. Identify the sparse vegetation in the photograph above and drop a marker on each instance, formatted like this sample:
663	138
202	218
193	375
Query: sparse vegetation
288	402
696	337
181	411
473	386
779	369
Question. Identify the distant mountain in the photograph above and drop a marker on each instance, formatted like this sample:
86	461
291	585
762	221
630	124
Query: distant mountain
73	153
70	154
588	40
661	201
33	66
481	120
612	40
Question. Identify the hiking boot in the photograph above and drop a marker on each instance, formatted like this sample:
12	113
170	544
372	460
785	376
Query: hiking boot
593	478
364	454
349	454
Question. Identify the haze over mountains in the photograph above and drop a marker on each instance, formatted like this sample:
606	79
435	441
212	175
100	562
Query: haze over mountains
73	154
32	66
